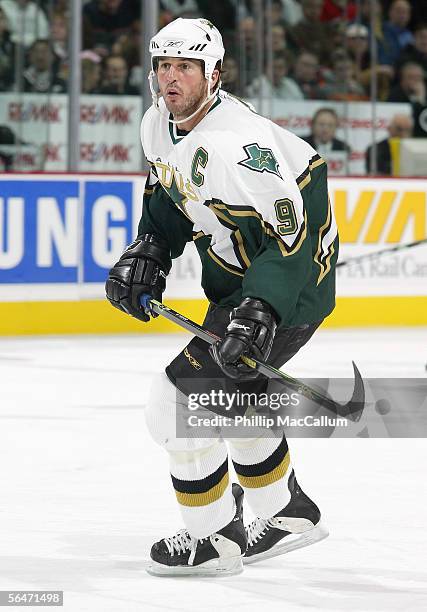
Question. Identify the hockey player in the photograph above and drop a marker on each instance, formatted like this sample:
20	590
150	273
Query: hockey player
253	197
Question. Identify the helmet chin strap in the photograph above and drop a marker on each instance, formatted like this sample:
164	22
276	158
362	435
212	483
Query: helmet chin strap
155	96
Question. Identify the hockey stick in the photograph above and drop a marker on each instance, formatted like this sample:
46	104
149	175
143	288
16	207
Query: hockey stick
399	247
353	409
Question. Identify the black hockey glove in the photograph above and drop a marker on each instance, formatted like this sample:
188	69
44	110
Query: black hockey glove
250	332
142	268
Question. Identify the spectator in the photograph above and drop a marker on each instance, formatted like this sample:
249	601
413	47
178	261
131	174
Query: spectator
8	139
324	126
105	20
357	45
39	76
280	86
292	12
7	55
116	78
396	34
129	46
274	13
278	38
222	14
411	87
59	42
245	47
230	75
401	126
27	21
91	72
310	33
306	74
338	10
416	52
179	8
341	83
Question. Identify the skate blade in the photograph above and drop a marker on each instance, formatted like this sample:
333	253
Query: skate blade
320	532
215	567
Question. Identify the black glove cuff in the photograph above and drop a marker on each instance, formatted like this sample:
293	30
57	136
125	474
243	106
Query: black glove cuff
254	310
151	247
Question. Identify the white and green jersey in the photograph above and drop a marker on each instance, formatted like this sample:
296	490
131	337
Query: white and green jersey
254	198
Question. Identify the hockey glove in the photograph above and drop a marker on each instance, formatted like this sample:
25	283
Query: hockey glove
250	332
142	269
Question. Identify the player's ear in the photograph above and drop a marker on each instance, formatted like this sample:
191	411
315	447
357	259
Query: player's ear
215	78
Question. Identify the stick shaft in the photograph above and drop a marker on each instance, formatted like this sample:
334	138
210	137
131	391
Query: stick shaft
399	247
263	368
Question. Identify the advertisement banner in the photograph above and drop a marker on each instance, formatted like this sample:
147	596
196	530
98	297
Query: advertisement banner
37	128
59	235
109	135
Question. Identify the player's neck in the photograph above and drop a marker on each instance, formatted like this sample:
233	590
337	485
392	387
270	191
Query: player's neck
187	126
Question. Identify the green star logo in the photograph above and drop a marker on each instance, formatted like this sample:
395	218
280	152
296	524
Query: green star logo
207	23
260	159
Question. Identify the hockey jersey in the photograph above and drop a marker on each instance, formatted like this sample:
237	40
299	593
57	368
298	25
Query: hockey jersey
254	198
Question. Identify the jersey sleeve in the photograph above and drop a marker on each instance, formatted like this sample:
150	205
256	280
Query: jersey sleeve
161	217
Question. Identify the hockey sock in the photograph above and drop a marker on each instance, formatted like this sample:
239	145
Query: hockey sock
203	489
263	467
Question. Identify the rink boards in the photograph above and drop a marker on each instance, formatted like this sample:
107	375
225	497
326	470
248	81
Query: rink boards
60	234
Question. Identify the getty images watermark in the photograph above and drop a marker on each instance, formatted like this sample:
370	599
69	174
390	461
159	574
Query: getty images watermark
253	405
392	408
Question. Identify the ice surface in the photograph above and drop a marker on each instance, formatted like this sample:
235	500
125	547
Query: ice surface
84	491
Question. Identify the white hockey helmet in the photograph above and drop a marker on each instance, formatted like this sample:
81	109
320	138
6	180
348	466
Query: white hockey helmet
189	38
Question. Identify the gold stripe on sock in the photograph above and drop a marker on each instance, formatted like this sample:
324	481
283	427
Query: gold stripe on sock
203	499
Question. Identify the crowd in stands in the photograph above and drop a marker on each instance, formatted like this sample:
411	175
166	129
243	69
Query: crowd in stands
312	49
296	50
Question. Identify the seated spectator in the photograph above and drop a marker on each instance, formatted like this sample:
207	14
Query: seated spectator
278	38
39	76
280	86
306	74
105	20
7	55
396	34
91	72
357	46
59	42
338	10
129	46
312	34
341	83
179	8
401	126
274	13
230	76
7	138
243	44
416	52
324	126
116	78
411	87
222	14
292	12
27	21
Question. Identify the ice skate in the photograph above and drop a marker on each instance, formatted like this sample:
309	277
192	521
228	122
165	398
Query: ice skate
297	525
218	554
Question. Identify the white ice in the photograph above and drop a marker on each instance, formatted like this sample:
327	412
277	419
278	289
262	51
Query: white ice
84	491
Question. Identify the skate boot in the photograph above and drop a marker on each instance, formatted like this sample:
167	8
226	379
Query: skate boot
218	554
297	525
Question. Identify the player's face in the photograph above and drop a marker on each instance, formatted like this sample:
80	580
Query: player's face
182	85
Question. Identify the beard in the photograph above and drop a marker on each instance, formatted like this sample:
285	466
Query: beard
184	107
